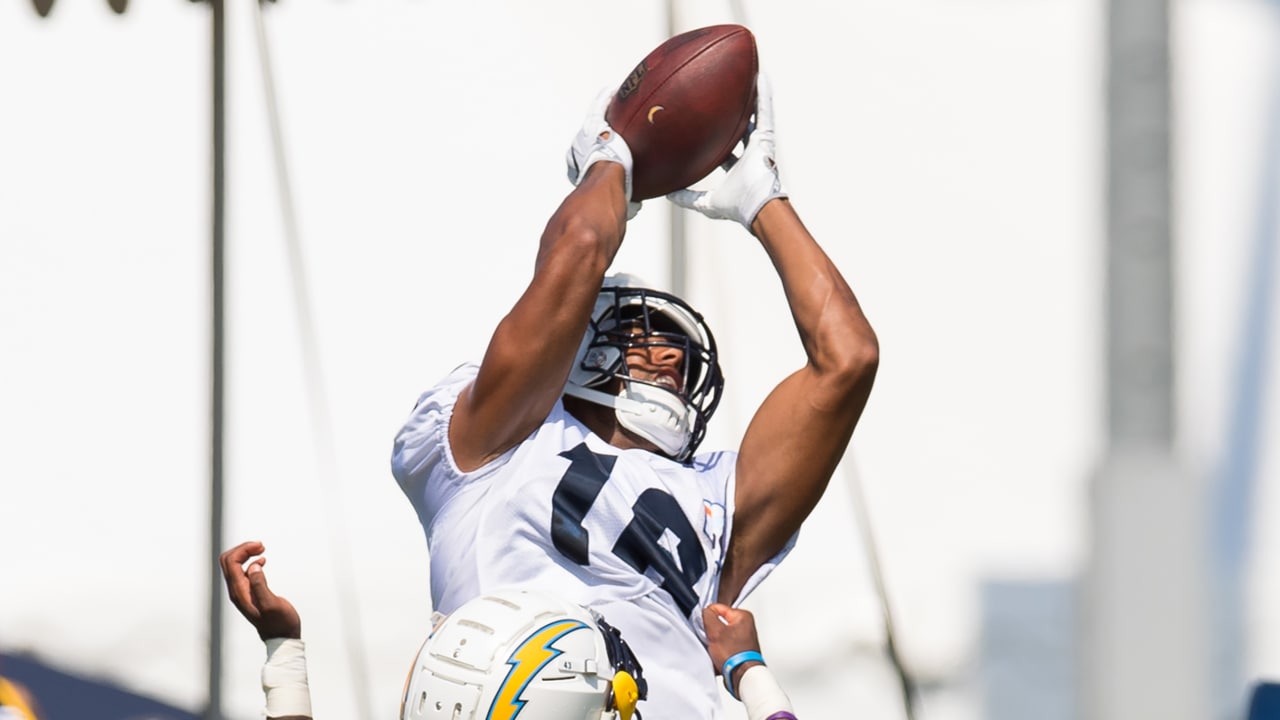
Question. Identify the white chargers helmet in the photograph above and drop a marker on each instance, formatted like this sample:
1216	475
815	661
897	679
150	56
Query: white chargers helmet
520	655
628	315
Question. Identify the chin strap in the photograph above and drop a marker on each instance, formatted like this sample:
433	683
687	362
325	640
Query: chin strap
604	398
653	413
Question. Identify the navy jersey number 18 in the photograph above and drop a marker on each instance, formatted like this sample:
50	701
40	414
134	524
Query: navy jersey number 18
652	513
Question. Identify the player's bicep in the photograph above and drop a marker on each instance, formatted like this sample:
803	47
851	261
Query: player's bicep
511	395
529	356
522	375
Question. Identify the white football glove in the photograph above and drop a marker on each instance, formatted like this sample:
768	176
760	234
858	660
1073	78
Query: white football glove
597	141
751	180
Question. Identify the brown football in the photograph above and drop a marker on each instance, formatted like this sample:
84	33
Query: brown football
685	106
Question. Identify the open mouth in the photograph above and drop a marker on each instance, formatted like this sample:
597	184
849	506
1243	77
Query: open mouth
667	381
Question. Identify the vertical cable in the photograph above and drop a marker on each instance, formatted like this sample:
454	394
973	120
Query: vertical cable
738	11
317	396
863	515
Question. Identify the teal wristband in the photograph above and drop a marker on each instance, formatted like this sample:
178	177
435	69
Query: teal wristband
733	662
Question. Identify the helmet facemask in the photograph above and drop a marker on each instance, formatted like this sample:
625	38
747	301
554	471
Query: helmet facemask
628	686
670	412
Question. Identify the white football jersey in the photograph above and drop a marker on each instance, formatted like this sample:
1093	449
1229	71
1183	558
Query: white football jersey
632	534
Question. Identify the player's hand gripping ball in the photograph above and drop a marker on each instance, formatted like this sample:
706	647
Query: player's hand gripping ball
685	107
751	180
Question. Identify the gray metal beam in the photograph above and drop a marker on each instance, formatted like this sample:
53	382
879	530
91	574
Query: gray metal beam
678	245
1139	233
1145	607
213	710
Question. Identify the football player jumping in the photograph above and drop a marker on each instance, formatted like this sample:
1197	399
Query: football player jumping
566	460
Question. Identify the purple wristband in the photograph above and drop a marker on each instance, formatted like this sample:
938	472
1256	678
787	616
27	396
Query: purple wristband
784	715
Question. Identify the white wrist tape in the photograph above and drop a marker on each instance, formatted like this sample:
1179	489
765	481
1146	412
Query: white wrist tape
284	678
761	694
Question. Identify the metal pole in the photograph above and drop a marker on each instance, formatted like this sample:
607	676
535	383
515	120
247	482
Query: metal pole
1139	275
678	245
214	709
1144	612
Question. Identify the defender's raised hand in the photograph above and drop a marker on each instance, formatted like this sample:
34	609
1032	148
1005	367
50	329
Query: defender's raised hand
729	631
272	615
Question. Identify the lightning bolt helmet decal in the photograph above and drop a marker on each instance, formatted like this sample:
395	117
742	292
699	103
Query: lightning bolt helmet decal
526	661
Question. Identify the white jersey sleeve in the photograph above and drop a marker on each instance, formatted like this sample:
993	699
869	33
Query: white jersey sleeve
635	535
423	444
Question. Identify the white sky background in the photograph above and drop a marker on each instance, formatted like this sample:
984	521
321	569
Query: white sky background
947	155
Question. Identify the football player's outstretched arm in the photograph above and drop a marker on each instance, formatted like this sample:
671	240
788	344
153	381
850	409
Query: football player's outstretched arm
530	353
800	432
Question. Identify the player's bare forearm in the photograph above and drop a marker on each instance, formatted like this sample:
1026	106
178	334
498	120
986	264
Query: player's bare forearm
838	339
596	207
798	436
531	351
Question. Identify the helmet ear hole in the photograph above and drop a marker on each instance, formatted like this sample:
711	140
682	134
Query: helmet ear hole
602	359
